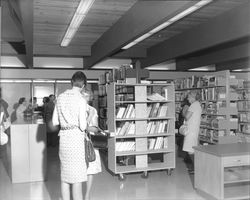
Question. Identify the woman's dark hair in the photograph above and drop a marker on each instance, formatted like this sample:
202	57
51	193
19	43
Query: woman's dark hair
78	79
21	100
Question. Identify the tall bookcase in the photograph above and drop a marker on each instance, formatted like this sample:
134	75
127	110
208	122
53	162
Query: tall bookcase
219	122
244	110
134	146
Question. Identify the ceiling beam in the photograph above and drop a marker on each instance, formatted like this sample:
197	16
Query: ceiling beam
214	57
26	10
229	26
235	64
22	14
15	14
131	53
141	18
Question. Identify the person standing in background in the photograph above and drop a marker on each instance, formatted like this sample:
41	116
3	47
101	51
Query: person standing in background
71	114
92	119
22	107
52	135
193	119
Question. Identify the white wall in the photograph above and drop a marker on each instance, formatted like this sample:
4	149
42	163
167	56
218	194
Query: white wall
47	73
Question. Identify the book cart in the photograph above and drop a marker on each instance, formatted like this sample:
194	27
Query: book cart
219	122
141	120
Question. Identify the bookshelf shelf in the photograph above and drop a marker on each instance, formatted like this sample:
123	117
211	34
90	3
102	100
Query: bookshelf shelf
143	119
133	102
143	136
140	127
151	167
123	153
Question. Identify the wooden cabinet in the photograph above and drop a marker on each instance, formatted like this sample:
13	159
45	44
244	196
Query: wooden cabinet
141	122
222	171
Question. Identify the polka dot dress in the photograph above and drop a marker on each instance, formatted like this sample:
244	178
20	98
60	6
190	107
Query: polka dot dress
71	146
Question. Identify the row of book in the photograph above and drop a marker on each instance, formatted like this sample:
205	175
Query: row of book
153	110
244	117
127	128
125	146
157	110
120	74
125	112
124	97
244	128
153	144
202	81
153	127
158	143
243	105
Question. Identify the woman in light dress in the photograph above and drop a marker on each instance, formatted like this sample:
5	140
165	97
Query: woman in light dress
192	119
71	114
92	119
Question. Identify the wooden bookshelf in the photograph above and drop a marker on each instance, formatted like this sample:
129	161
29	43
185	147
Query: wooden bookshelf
219	123
244	110
128	148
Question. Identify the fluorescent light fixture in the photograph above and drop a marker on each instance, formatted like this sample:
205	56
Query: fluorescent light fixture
92	81
43	81
238	70
59	66
204	68
168	65
80	14
167	23
63	81
15	81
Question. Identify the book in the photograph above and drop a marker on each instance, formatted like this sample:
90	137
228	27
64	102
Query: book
162	111
120	112
151	143
156	97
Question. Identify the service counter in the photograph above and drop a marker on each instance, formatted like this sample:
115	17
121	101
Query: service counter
26	151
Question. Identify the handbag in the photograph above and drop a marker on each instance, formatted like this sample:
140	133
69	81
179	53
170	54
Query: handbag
89	150
183	130
99	140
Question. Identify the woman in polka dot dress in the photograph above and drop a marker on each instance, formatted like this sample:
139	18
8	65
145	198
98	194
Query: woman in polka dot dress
70	114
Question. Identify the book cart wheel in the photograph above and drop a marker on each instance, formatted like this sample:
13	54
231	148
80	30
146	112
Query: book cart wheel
144	175
121	177
169	172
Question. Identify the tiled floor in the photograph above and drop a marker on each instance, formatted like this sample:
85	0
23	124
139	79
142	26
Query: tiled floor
158	186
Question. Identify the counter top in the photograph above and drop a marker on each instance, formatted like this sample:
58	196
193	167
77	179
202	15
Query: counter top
233	149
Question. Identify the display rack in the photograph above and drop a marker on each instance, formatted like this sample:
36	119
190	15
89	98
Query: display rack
141	121
219	120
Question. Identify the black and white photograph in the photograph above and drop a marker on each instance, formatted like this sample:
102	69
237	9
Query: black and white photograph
125	100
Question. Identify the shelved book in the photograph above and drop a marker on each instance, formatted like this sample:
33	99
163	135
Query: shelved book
126	128
125	112
125	146
157	110
154	127
157	143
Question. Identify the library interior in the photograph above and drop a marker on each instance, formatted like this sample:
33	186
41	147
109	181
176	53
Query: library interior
124	99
